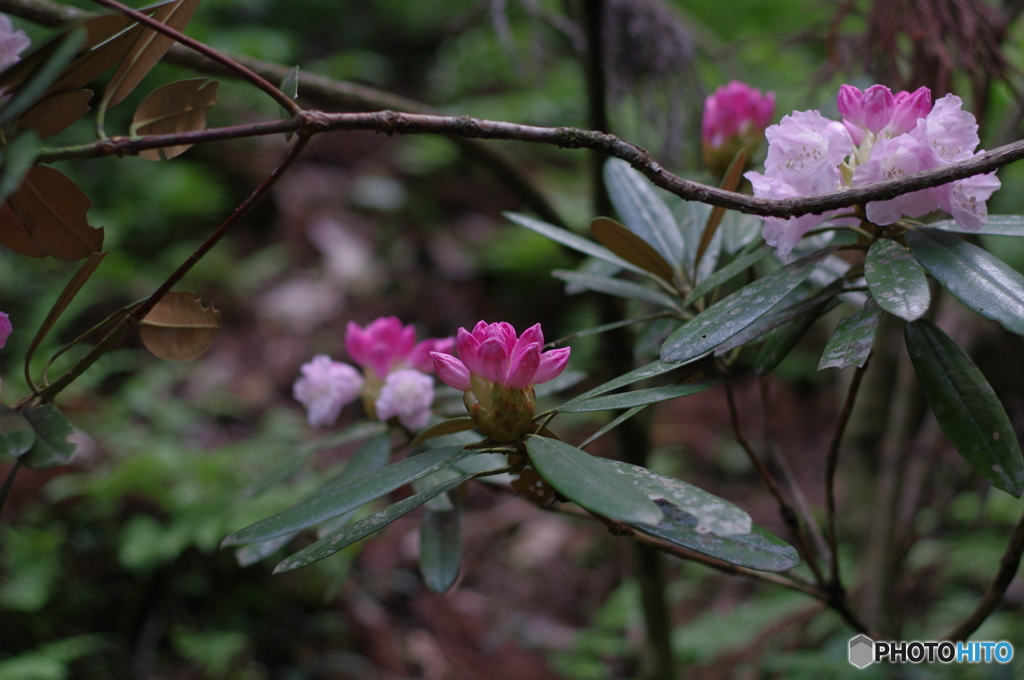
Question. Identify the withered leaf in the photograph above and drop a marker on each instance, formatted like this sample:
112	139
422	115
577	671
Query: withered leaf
179	328
52	209
730	182
88	65
630	247
14	236
56	113
174	108
148	49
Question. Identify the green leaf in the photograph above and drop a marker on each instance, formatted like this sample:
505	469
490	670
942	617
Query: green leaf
711	512
16	433
655	368
18	158
249	555
51	445
364	527
732	314
562	382
966	406
441	545
996	225
618	287
726	273
652	395
981	281
896	280
621	241
589	483
33	91
339	500
450	426
567	238
621	418
781	340
771	321
642	210
757	550
853	338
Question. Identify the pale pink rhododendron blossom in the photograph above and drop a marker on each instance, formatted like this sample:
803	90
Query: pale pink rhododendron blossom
735	116
5	329
12	42
393	384
496	371
882	136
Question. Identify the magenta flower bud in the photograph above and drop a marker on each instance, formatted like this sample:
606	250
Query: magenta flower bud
5	329
386	345
910	106
496	371
877	107
735	116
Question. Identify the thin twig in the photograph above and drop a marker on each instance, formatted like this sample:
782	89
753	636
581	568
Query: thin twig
832	464
139	313
1008	566
242	72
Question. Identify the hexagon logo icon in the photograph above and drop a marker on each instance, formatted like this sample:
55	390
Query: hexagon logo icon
862	651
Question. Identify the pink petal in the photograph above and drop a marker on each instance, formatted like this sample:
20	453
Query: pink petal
451	371
531	336
910	106
357	343
493	359
551	365
849	102
523	368
506	333
878	105
405	340
419	357
469	349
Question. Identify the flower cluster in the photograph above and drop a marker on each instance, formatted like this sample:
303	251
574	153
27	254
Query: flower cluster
496	372
882	136
735	116
393	384
12	42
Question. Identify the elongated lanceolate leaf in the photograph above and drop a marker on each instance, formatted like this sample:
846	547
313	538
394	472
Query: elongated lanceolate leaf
739	265
56	113
996	225
337	501
623	242
16	433
618	287
966	407
562	382
853	338
364	527
981	281
732	314
441	545
634	398
148	49
254	552
780	341
51	446
643	211
35	88
896	280
756	550
567	238
730	182
173	109
655	368
589	483
712	513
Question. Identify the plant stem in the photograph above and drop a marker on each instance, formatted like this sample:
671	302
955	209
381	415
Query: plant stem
830	470
1008	566
242	72
139	313
8	483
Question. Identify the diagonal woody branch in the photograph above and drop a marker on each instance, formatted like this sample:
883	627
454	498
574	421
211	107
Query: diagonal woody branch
391	122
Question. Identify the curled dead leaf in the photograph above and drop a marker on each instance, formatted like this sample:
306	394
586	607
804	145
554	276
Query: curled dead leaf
179	328
171	109
53	211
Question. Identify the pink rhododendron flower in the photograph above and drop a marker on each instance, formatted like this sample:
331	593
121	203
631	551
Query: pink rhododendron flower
326	386
393	385
882	136
5	329
12	43
735	116
407	394
496	370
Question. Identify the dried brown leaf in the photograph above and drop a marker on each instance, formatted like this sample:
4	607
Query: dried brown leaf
174	108
630	247
148	50
88	65
56	113
730	182
179	328
14	236
53	211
